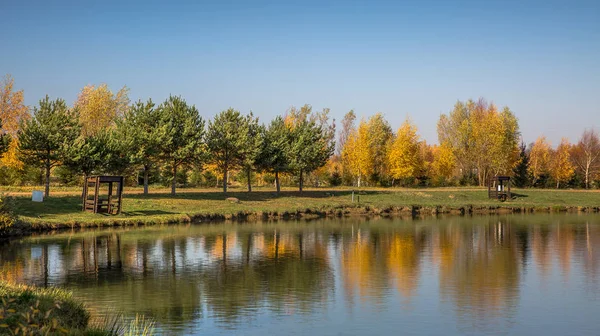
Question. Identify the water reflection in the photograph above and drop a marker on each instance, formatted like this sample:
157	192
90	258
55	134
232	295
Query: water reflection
215	277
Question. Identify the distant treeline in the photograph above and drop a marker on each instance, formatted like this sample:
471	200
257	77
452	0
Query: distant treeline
171	144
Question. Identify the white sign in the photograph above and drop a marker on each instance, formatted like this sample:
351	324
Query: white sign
37	196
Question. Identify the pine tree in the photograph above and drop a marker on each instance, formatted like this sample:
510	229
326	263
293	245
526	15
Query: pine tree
180	135
521	171
228	140
43	138
90	154
273	156
138	133
310	148
252	146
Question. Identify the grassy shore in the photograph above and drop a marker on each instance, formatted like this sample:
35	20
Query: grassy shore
28	310
63	209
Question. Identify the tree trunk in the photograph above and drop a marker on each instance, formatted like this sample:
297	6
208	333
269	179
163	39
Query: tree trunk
587	177
174	182
225	179
146	168
358	182
277	185
248	173
47	181
301	184
557	184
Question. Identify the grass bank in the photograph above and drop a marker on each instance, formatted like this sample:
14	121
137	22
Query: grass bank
64	210
28	310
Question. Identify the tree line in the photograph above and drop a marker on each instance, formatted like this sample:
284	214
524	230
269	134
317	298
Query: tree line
171	143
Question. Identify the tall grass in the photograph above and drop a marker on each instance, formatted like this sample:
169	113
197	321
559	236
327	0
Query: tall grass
116	325
28	310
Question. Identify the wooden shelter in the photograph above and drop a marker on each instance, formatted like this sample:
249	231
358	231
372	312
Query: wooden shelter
499	188
111	203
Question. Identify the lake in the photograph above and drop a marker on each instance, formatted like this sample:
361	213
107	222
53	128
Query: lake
480	275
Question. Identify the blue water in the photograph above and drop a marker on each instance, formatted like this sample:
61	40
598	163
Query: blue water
486	275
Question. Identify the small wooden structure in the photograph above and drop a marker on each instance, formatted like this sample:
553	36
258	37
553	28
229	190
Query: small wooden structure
93	202
499	188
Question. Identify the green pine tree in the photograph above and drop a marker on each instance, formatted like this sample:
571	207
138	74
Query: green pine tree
91	154
310	148
180	135
229	141
273	156
44	137
137	131
521	171
252	147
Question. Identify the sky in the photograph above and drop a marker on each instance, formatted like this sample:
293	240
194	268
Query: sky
402	58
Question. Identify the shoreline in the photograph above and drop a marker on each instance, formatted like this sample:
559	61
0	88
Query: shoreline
26	227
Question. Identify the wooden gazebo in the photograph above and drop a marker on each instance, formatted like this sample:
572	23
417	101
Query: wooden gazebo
110	203
499	188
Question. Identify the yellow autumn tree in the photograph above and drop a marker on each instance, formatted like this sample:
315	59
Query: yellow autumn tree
380	136
356	154
484	141
99	107
539	158
561	167
12	111
403	158
294	116
444	161
425	167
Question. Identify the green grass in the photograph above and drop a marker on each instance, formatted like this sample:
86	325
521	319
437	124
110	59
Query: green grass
160	207
28	310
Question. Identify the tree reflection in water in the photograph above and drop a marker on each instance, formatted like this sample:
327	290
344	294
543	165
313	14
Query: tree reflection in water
183	276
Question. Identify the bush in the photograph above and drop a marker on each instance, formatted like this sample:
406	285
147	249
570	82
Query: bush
268	178
7	215
66	176
27	175
36	311
335	179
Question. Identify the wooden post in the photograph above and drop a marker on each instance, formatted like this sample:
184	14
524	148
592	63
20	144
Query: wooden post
109	205
97	191
85	194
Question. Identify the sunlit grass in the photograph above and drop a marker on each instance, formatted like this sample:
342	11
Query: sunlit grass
161	207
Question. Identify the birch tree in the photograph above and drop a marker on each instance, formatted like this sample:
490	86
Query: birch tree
403	159
586	155
539	158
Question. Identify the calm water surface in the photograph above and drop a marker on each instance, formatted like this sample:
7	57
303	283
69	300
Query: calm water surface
496	275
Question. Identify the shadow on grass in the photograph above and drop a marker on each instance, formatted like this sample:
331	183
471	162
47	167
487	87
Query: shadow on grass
256	196
146	213
65	205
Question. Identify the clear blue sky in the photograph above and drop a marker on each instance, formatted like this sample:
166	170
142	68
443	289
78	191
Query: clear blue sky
541	58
